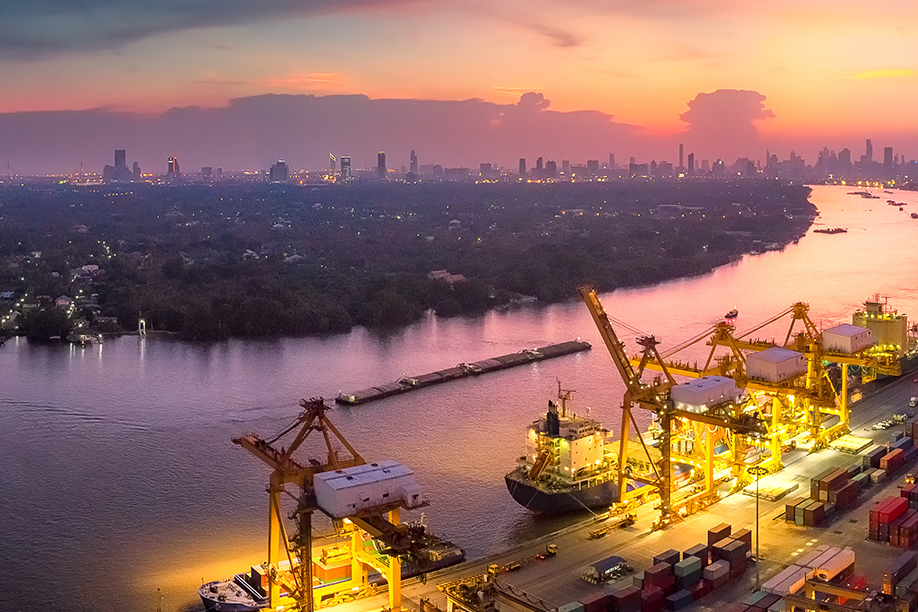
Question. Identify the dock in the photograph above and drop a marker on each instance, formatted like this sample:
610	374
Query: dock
463	370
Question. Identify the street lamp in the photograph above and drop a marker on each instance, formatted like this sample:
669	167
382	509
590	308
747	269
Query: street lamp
758	471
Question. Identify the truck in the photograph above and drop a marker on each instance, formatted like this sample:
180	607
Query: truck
625	520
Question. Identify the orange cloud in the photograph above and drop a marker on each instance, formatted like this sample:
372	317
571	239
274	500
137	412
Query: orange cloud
884	74
306	80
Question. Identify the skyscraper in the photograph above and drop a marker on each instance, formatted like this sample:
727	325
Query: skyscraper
413	165
120	171
888	171
691	163
681	150
174	166
280	172
612	161
551	169
381	170
869	150
522	167
346	168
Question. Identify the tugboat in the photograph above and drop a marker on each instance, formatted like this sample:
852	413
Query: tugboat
566	467
732	314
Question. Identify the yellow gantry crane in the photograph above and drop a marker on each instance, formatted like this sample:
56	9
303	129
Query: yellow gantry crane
656	397
380	522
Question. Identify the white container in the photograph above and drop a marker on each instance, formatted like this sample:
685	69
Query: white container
836	565
795	582
788	573
775	365
821	559
807	559
699	395
847	338
347	492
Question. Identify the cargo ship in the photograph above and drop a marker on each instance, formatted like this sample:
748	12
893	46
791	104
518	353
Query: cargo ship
567	466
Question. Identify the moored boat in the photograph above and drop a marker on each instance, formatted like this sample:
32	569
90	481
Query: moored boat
234	595
566	466
732	314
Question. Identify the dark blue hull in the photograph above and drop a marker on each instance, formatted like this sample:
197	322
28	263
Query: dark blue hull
556	501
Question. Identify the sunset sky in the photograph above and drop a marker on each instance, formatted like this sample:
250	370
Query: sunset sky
831	72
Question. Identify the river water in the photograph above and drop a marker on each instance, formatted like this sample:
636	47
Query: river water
118	477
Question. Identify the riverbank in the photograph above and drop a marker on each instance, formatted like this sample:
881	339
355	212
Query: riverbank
254	263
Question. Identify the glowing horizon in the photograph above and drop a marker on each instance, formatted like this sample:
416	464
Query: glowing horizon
828	71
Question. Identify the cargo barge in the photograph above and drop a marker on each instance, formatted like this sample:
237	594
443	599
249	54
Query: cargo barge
463	370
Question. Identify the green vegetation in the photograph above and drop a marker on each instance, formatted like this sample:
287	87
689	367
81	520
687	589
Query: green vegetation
212	262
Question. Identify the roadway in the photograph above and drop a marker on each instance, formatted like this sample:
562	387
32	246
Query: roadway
558	580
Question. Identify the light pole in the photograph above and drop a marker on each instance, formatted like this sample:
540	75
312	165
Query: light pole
757	471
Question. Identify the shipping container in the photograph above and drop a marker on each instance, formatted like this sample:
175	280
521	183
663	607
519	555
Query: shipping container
718	533
790	508
679	600
670	556
700	551
904	564
840	564
596	602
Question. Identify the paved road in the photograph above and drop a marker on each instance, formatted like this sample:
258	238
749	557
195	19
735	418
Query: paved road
557	580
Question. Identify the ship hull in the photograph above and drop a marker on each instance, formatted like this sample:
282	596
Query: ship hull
557	501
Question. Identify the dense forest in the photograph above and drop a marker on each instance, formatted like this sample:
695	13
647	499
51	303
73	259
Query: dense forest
216	261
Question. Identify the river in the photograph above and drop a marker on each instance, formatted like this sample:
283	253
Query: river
118	477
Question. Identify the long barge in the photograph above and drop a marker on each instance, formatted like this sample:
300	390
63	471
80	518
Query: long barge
463	370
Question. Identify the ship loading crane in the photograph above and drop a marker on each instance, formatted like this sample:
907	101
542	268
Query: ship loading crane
655	396
800	403
380	522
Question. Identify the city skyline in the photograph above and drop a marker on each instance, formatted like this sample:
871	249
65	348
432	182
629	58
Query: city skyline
309	131
780	76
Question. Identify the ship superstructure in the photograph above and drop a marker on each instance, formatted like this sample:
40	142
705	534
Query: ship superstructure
566	466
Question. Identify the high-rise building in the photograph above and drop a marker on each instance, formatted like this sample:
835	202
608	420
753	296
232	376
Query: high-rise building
612	165
346	168
120	171
887	162
136	172
551	169
485	170
413	165
538	168
869	154
522	167
593	167
681	151
566	165
279	172
691	163
332	161
381	170
174	166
